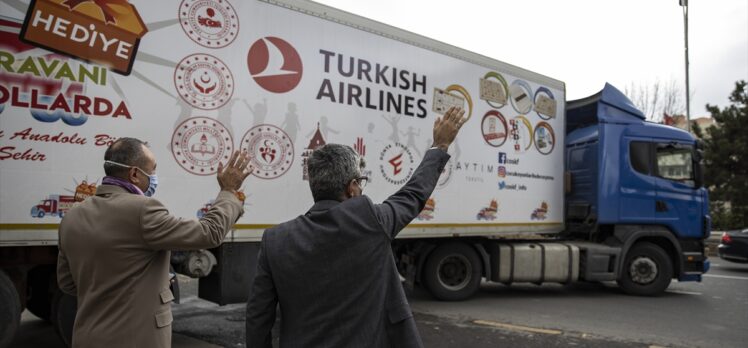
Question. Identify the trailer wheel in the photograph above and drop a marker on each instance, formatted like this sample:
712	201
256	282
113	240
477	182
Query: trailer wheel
10	310
42	284
452	272
647	270
64	308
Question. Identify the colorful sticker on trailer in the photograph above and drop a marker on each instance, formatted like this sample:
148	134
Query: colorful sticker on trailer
106	32
540	213
488	213
521	131
50	86
428	210
494	90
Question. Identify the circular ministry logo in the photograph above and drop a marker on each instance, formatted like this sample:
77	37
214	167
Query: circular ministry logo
270	149
210	23
199	143
274	64
204	81
396	163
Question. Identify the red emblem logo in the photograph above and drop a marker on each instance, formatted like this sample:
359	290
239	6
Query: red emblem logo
397	164
199	143
360	147
204	81
210	23
271	151
274	64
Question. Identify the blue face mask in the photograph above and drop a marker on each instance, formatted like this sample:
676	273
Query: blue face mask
152	179
152	183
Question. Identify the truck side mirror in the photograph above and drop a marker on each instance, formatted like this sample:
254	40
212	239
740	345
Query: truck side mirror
698	167
699	173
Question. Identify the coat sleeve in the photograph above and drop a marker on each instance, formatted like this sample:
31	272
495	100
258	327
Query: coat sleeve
401	208
162	230
64	277
263	299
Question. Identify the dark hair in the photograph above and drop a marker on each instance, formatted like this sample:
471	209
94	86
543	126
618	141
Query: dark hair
331	167
127	151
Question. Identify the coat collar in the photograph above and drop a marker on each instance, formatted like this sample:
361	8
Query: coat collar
323	205
109	189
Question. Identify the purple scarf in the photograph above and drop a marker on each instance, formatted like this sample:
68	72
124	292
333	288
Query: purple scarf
111	180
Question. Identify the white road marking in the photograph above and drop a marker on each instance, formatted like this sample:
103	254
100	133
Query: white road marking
684	292
724	276
517	327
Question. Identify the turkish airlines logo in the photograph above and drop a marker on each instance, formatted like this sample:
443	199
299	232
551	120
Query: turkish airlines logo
274	64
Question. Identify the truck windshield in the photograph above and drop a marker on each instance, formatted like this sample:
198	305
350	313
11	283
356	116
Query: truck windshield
674	162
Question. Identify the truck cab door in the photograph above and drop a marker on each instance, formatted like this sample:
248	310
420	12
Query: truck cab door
638	187
678	204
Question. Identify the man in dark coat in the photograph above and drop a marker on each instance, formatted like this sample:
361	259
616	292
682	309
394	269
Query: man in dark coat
332	269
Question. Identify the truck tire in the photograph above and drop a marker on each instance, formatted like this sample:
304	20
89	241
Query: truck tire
10	310
647	270
42	283
452	272
64	308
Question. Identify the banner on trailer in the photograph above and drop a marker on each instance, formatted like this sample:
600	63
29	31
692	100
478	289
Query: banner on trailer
198	79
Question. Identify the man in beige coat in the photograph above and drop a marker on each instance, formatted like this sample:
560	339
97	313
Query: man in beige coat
114	249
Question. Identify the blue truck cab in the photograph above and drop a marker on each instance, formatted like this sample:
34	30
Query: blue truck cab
636	187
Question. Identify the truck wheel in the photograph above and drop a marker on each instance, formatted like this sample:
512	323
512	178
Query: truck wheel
42	284
452	272
647	270
40	214
64	308
10	310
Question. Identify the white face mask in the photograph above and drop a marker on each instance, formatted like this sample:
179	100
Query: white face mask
152	178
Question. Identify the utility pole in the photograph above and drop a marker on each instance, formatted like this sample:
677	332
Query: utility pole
684	4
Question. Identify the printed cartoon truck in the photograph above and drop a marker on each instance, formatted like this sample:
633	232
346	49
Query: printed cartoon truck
624	197
54	205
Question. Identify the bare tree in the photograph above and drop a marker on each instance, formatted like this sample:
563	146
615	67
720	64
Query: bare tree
657	98
672	101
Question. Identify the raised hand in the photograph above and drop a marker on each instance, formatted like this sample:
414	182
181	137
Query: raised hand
231	176
446	128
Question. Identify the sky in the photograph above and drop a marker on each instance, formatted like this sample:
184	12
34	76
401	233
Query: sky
586	43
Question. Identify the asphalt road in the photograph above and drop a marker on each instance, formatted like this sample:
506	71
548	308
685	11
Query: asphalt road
713	313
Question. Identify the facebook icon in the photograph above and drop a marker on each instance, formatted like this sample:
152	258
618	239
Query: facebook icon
502	157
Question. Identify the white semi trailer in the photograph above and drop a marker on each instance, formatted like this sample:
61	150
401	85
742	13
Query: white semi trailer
198	79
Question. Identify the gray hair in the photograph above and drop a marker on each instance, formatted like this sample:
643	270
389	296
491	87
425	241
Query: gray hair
331	168
127	151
